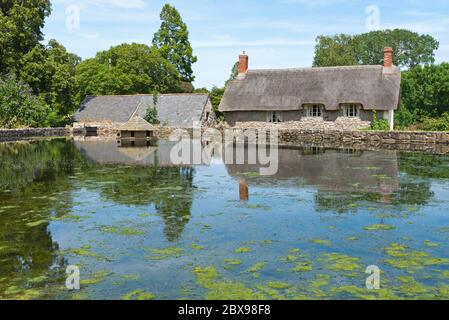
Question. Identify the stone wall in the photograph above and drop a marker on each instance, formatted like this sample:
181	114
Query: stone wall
11	134
376	137
104	129
434	142
311	123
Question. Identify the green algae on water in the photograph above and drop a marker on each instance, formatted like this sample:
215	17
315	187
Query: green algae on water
139	295
256	268
404	258
270	292
130	277
243	250
85	252
278	285
340	262
233	262
431	244
122	231
161	254
379	227
147	215
322	242
197	247
304	266
208	277
97	277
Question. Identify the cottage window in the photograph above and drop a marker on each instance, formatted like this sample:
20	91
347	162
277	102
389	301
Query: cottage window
314	110
275	117
351	110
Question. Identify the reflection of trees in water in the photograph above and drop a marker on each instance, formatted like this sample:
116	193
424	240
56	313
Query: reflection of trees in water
425	165
169	189
34	185
175	209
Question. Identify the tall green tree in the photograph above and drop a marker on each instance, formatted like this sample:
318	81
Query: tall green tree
172	39
21	24
50	71
127	69
18	106
410	49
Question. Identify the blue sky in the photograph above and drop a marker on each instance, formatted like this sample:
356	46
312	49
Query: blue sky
276	33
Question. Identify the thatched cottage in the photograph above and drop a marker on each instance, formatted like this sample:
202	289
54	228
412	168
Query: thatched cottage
329	94
107	115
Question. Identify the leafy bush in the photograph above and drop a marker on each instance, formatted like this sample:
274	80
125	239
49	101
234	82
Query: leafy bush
438	124
379	124
405	118
425	90
19	107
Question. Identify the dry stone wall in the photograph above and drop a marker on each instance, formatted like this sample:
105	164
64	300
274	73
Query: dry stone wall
11	134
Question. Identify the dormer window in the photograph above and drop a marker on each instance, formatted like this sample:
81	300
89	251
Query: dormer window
351	110
314	110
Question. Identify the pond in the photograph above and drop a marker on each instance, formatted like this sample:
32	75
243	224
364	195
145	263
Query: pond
140	228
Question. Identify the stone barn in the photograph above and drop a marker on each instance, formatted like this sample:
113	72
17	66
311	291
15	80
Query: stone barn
104	115
316	98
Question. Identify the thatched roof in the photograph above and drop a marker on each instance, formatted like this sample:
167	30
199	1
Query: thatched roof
175	110
136	124
375	87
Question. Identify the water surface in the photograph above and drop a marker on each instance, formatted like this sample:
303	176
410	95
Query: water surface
141	228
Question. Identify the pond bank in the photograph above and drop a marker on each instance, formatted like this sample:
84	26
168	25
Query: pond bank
13	134
435	142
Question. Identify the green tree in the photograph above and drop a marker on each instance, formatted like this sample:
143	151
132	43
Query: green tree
216	94
50	71
335	51
234	73
21	24
410	49
425	90
151	115
18	107
172	39
127	69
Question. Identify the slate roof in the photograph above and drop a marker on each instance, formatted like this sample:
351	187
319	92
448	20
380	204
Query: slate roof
176	110
375	87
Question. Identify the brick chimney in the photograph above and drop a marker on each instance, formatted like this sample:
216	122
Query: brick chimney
243	63
388	57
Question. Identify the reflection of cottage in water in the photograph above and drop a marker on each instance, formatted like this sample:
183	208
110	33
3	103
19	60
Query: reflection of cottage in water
137	153
330	170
